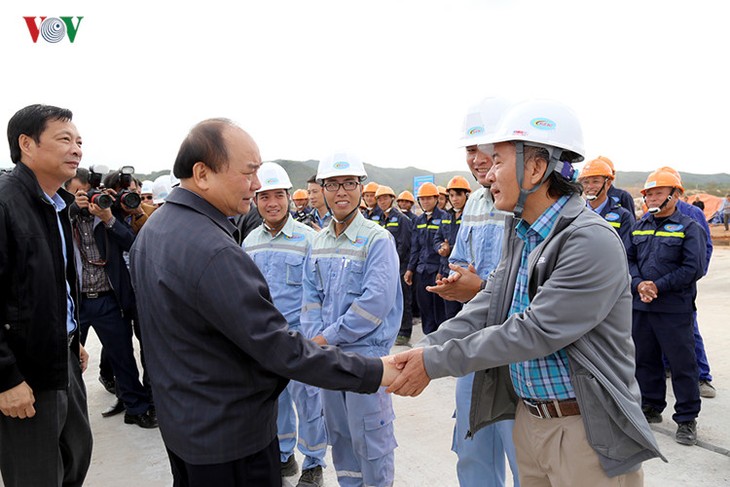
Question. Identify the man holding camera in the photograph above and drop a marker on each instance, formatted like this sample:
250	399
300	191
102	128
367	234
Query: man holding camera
107	302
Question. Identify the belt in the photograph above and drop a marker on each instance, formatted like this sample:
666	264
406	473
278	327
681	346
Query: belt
552	409
96	295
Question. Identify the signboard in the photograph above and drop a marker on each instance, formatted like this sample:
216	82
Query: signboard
419	180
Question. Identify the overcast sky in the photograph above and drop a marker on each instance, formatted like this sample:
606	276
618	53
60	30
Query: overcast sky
390	80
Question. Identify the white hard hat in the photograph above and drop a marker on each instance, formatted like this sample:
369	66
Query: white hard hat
340	164
147	186
174	181
542	123
481	120
161	188
273	176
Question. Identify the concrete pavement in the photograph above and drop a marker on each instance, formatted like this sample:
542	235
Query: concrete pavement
127	455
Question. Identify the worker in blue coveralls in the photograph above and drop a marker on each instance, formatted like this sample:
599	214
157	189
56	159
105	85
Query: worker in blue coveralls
474	256
458	191
353	300
279	248
405	202
371	211
666	258
596	178
707	390
401	227
425	261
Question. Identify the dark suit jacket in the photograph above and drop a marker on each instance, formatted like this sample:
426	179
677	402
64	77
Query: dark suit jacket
217	350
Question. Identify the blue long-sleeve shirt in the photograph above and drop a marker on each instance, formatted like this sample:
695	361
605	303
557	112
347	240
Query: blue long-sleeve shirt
352	296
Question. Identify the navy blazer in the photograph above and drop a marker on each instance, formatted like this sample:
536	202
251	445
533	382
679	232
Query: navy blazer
217	350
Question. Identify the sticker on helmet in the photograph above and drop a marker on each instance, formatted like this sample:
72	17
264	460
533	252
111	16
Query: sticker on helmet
612	217
520	132
272	181
671	227
341	165
542	123
475	131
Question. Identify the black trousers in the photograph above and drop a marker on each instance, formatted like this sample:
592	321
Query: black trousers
406	322
672	334
431	304
262	469
53	447
115	334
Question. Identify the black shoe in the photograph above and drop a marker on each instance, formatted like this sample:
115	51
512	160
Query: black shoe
311	477
116	408
686	433
145	420
109	385
651	414
290	467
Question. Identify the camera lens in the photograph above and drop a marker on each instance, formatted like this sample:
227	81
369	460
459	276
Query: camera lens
130	199
102	200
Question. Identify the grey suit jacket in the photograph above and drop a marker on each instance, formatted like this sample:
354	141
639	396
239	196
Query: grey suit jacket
217	350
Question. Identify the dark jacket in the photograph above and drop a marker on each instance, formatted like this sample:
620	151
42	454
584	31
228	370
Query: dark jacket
33	336
217	350
671	253
401	227
112	243
424	257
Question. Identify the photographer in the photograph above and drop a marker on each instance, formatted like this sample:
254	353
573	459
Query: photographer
127	187
107	303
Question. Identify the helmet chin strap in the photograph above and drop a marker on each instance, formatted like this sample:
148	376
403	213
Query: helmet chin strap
595	196
655	210
566	171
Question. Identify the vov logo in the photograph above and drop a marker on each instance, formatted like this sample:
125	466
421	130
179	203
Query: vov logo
53	29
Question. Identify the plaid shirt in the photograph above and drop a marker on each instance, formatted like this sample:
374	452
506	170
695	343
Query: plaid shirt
547	377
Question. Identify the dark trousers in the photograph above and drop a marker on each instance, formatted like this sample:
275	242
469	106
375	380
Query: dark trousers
53	447
262	469
115	334
406	322
671	334
431	304
105	366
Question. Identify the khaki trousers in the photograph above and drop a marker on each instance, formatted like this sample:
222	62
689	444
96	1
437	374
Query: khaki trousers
555	453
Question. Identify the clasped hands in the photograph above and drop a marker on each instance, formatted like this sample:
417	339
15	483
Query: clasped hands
405	373
648	291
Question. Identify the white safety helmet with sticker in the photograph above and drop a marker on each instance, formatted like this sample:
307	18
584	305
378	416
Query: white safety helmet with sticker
481	120
340	163
273	176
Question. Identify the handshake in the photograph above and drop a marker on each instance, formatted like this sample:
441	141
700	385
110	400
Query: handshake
405	373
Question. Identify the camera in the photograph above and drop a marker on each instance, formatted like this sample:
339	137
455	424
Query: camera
96	195
130	199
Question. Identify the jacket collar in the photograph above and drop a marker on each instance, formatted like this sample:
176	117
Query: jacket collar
27	178
185	197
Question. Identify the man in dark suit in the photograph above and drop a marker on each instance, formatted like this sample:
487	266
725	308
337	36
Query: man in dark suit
45	438
218	351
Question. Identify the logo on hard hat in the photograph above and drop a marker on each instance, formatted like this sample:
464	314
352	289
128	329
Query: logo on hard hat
519	132
272	181
475	131
341	165
543	123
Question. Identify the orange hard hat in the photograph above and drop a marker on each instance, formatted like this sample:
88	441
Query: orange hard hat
371	187
383	190
406	196
442	190
300	194
662	178
609	162
458	182
671	170
596	167
428	189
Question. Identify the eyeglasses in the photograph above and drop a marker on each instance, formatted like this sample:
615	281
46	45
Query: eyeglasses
147	197
333	186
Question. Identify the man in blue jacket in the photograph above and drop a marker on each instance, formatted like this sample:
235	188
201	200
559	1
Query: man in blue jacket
666	259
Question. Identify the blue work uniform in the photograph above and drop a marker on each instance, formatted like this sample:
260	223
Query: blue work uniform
281	261
410	215
447	232
618	217
670	252
623	198
401	227
425	263
353	299
376	214
699	216
481	457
